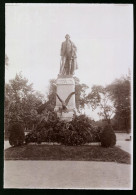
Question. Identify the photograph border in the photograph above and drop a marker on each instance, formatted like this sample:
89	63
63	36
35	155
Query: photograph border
2	81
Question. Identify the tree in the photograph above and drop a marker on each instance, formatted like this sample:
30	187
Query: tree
80	95
120	90
21	101
100	98
50	103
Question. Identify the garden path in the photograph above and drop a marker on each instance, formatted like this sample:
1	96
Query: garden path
67	175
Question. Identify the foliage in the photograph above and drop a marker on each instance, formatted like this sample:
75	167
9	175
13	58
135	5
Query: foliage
21	101
76	132
17	135
108	137
80	95
114	103
49	105
120	91
100	97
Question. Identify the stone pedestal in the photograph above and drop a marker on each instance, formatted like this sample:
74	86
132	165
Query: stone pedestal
65	86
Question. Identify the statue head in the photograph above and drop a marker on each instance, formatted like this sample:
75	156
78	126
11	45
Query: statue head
67	36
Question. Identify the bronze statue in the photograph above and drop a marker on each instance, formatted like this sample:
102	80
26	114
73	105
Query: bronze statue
68	63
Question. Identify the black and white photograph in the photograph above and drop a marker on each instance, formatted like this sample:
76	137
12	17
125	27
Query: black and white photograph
68	117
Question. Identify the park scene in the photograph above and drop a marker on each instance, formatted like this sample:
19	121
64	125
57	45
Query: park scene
68	105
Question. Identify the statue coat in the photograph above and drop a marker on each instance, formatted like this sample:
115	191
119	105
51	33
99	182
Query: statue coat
68	60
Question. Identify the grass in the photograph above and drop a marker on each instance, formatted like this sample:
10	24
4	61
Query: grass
61	152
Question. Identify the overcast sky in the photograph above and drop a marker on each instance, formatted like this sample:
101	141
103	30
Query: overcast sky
103	34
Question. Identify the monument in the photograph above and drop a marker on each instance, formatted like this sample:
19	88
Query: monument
65	95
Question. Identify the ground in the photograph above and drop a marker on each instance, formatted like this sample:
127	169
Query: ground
66	174
61	152
70	174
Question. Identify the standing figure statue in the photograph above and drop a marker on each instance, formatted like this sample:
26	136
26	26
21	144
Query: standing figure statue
68	63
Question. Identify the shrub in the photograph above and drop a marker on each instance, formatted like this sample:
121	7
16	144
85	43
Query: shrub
76	132
108	137
84	126
16	134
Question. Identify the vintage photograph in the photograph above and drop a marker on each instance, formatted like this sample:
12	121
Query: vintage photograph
68	117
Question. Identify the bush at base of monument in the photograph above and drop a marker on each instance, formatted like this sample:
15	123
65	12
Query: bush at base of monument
108	137
76	132
17	136
81	131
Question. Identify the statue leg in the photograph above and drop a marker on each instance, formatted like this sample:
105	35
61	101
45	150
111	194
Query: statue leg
66	67
72	68
63	66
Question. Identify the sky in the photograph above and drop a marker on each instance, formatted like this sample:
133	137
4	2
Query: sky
103	34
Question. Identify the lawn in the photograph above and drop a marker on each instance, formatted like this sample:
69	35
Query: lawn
61	152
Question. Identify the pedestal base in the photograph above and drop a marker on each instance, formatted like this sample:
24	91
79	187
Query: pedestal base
65	86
